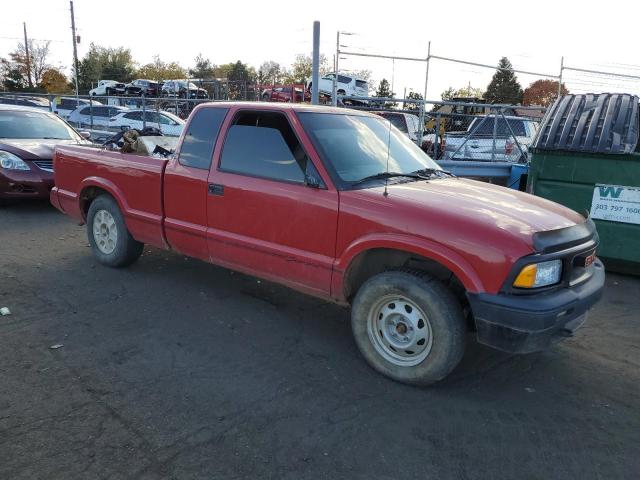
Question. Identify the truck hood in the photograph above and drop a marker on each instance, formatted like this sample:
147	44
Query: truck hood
478	203
33	149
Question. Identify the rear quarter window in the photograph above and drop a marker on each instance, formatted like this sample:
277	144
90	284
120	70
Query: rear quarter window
197	147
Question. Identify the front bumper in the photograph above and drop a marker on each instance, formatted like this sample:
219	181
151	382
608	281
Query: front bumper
25	184
530	323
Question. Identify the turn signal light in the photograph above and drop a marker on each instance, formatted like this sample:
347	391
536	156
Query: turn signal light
539	274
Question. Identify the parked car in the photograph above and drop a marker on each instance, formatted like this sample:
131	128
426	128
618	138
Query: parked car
27	138
513	135
63	106
167	123
108	87
141	87
26	101
96	116
183	89
336	204
283	94
346	85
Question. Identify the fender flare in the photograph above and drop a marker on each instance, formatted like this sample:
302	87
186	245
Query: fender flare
109	187
423	247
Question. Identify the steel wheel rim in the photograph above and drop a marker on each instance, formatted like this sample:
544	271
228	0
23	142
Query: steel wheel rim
399	330
105	231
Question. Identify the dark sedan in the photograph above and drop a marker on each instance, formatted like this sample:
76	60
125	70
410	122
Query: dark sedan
27	139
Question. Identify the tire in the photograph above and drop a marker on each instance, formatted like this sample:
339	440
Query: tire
110	241
394	306
266	97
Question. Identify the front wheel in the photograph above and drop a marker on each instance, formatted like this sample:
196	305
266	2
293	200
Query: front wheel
111	242
409	327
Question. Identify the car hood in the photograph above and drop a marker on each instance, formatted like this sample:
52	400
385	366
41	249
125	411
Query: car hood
480	206
33	149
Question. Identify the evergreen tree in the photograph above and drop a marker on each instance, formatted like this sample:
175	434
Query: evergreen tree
504	86
384	91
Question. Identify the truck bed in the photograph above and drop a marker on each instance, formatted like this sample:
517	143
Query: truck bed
135	180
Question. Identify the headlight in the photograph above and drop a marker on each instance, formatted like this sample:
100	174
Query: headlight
12	162
539	274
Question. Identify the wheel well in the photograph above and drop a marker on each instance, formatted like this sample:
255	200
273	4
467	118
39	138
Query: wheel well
88	195
378	260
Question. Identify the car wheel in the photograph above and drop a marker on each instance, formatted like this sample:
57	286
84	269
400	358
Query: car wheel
408	326
110	241
266	97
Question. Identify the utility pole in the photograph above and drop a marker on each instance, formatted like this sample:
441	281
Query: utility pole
26	54
334	90
560	77
315	64
75	47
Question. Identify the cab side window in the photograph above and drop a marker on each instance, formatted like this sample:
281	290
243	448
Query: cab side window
263	144
197	147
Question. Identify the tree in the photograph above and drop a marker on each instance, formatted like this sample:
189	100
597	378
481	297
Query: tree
23	74
542	92
301	69
448	94
102	63
54	81
413	106
203	68
159	70
271	72
384	91
504	86
463	92
12	79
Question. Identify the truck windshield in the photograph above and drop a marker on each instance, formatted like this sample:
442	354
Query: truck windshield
357	146
34	125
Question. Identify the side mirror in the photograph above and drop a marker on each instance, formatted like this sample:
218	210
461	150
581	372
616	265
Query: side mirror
85	135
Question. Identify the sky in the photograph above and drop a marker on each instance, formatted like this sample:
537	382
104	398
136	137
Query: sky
533	35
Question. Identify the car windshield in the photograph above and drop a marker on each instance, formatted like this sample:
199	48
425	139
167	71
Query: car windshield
34	125
358	146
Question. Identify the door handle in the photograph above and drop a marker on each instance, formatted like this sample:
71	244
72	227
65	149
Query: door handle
216	189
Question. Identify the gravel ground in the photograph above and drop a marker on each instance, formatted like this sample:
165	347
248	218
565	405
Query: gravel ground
177	369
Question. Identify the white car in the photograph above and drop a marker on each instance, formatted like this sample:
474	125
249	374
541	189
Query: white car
108	87
346	85
168	123
63	106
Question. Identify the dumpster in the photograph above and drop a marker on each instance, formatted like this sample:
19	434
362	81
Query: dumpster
585	157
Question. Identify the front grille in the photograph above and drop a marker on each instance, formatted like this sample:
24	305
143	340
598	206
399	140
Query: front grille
46	165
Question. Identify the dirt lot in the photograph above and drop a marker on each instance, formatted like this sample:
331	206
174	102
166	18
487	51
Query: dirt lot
174	368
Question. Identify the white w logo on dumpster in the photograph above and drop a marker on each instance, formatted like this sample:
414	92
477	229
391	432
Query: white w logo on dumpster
613	192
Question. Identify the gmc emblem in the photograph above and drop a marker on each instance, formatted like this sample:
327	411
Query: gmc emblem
589	259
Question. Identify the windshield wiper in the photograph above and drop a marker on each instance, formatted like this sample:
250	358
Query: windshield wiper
385	175
432	171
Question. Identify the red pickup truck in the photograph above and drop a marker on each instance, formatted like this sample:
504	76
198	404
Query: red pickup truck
339	204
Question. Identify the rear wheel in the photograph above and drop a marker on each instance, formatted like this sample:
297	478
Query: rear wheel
111	242
409	327
266	97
